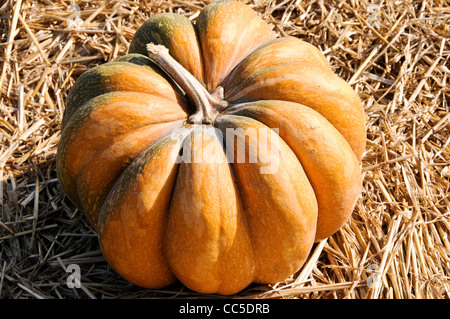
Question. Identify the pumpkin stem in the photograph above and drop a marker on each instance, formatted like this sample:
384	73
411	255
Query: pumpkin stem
208	105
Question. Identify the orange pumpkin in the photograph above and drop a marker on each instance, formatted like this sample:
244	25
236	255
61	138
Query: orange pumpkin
213	153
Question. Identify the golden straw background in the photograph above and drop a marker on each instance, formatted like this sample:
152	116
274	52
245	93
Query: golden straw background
395	54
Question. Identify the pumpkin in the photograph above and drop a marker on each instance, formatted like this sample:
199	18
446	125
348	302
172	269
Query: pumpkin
213	153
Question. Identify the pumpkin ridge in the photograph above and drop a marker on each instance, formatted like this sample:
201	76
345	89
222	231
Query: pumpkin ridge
162	29
294	209
336	96
96	83
216	44
133	169
75	124
93	197
246	82
66	139
334	209
219	246
149	266
77	120
84	110
233	176
253	55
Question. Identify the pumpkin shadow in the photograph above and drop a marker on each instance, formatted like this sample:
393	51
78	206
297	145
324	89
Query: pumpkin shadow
43	232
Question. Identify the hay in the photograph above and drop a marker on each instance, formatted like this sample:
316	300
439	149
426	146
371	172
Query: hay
396	244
